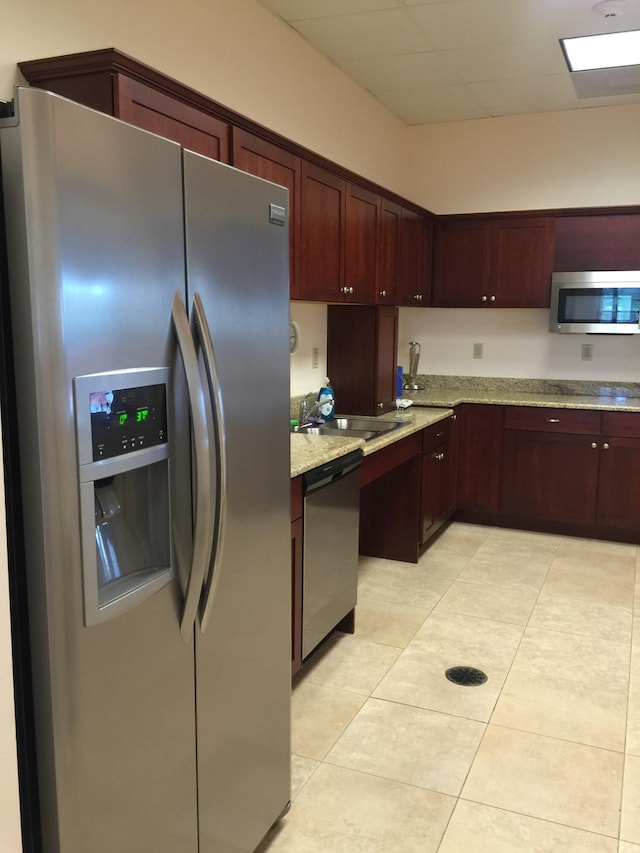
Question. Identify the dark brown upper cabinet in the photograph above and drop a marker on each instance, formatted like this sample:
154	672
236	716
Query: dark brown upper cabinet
256	155
114	83
598	242
502	262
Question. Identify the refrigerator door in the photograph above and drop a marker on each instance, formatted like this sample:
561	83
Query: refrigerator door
237	263
96	251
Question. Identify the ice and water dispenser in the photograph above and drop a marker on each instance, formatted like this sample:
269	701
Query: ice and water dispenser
124	447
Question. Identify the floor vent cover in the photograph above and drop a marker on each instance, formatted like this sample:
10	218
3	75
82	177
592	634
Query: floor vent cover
466	675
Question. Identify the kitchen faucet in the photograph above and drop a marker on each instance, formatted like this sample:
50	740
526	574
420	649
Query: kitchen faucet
305	411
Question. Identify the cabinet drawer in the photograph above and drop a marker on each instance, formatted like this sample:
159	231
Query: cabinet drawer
435	435
540	419
621	424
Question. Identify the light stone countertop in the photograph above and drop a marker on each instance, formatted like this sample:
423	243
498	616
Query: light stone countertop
454	396
443	393
310	451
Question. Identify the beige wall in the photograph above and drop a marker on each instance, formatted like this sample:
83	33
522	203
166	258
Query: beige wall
231	50
583	158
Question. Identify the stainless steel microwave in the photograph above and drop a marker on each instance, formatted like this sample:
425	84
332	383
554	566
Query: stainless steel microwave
605	303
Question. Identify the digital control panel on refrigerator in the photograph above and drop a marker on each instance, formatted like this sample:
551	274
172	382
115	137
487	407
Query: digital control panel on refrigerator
127	419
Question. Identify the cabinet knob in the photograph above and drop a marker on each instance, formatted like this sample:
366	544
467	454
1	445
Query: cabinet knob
438	457
380	405
594	444
383	293
605	446
484	299
350	290
492	299
553	420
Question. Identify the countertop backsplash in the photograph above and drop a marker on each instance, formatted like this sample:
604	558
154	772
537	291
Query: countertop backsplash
569	387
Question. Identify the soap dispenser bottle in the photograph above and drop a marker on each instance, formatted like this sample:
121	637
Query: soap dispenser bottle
326	401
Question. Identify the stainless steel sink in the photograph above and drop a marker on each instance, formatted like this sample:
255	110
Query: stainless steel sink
363	424
354	427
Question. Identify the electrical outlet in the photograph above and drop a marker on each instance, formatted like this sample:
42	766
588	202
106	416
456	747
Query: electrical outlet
478	350
587	352
314	357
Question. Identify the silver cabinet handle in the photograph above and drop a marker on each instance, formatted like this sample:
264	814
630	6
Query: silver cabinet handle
383	293
553	420
605	446
438	457
220	516
484	299
202	529
492	299
380	405
594	444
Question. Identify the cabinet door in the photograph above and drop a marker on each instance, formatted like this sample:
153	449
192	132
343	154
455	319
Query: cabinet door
266	160
361	244
361	357
608	242
322	230
168	116
461	250
386	350
550	476
521	262
619	483
389	254
412	289
437	494
479	457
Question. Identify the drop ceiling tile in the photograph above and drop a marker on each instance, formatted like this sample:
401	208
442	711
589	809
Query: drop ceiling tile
575	18
526	95
365	35
398	72
301	10
418	105
470	23
515	59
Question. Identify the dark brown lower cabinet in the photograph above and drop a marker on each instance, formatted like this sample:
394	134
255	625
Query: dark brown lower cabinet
438	477
408	492
479	430
296	574
550	476
574	468
390	501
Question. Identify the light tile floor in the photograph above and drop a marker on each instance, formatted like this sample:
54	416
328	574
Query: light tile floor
390	757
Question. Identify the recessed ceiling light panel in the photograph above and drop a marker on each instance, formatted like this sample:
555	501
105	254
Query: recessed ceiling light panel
611	50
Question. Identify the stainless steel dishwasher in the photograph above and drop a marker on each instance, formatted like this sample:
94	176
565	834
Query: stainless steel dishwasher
330	546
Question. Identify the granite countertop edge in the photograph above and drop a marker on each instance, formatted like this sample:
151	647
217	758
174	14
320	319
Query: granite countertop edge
433	405
310	451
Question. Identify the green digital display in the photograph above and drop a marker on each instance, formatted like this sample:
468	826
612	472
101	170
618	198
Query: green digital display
128	419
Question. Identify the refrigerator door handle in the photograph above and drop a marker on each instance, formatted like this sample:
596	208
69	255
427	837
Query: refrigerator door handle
203	530
219	526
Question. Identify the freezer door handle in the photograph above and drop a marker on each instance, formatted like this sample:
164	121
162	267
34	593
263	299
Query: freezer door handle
219	526
203	529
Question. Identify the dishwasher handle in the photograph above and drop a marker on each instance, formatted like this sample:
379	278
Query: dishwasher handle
326	474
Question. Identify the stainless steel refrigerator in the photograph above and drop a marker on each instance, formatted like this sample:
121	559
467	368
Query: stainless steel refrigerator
149	316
